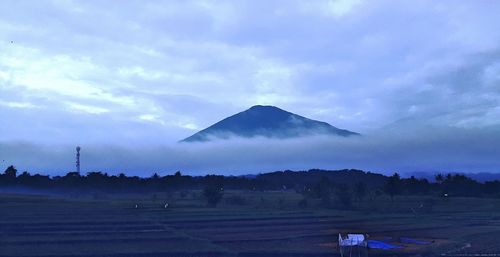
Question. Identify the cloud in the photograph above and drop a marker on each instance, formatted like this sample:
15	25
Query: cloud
340	8
148	72
17	104
436	150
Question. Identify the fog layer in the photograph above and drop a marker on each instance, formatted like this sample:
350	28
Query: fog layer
386	151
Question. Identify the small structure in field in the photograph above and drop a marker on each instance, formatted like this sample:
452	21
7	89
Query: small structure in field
353	245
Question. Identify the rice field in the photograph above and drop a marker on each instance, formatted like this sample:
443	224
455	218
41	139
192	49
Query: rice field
265	224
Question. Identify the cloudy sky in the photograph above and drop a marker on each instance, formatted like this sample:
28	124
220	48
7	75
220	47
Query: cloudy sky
128	79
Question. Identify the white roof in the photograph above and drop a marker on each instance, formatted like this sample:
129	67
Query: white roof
352	239
356	237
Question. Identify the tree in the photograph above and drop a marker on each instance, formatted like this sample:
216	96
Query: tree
393	185
343	194
439	178
11	171
360	191
322	190
460	185
213	194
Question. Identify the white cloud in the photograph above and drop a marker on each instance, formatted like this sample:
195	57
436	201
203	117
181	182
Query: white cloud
87	108
190	126
29	70
342	7
17	104
140	72
151	118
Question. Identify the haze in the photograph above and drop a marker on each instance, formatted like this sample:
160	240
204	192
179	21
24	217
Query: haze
420	80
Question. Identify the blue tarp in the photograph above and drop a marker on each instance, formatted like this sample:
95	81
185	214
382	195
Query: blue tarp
386	239
375	244
408	240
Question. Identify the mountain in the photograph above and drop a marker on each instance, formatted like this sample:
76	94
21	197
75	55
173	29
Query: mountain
266	121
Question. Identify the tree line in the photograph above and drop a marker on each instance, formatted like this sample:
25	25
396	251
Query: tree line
346	185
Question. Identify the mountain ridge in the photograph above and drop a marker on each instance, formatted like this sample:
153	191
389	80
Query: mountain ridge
267	121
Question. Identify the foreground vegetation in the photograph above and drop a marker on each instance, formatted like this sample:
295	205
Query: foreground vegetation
274	214
245	223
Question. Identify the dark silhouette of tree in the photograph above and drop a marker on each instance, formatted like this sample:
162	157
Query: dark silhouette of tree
415	186
360	191
154	181
213	194
322	190
11	172
393	185
492	188
97	179
439	178
344	195
460	185
349	184
71	181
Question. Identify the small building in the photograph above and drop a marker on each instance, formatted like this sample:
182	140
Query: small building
353	245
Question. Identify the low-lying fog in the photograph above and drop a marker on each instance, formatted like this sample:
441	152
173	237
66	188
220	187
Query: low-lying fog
424	150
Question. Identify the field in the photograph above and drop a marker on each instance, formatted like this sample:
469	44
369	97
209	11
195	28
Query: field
244	224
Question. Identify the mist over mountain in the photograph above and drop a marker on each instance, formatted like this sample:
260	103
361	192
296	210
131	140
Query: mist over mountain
266	121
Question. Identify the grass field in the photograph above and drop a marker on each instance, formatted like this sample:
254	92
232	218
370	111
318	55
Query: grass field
264	224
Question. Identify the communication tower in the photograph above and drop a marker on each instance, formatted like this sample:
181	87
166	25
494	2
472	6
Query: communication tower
78	159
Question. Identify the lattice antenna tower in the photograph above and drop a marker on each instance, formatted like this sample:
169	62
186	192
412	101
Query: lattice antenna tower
78	148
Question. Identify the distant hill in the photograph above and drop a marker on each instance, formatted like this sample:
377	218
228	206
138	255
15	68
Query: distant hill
347	176
266	121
